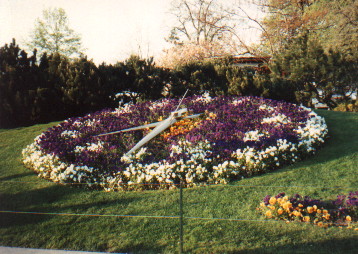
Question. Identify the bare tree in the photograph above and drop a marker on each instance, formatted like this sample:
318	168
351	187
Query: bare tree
199	21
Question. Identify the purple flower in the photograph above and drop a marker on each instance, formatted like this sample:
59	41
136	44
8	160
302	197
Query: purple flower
226	123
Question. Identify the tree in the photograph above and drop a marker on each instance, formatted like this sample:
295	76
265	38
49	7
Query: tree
52	34
199	21
341	31
286	20
332	22
315	73
204	29
187	53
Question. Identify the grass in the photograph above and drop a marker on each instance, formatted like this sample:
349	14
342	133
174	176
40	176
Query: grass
335	165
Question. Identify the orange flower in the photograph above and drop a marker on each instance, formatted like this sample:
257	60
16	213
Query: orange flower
280	211
296	213
268	214
287	205
310	209
272	201
271	207
306	218
327	216
300	205
320	224
348	218
325	211
315	208
319	211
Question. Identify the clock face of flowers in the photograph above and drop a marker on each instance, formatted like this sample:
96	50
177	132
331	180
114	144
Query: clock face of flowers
235	137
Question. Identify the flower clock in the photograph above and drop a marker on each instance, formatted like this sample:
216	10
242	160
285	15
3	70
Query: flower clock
228	139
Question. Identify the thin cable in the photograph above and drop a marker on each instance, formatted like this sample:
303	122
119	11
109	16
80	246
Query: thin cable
151	216
93	215
169	184
49	182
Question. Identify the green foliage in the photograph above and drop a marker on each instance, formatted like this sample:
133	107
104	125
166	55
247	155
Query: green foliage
314	72
339	28
144	78
347	107
54	88
332	22
198	77
19	95
53	35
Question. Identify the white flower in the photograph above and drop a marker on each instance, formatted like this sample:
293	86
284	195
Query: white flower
70	134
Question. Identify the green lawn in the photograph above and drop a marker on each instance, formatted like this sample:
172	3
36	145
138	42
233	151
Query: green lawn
331	172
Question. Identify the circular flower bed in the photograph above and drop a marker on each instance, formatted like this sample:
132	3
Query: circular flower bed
235	137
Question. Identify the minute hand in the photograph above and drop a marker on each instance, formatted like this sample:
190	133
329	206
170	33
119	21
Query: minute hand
157	130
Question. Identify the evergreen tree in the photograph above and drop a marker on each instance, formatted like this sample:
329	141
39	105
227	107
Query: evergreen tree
315	73
16	69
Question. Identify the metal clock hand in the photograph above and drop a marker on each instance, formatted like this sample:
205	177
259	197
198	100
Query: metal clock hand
159	126
131	129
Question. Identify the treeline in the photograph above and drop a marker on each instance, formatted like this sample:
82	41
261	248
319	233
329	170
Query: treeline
54	87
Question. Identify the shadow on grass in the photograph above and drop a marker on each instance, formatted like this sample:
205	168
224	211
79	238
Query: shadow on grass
346	246
52	199
16	176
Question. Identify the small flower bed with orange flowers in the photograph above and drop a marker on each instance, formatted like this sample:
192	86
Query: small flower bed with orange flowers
341	212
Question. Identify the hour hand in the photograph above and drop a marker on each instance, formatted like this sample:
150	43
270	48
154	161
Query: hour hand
192	116
151	125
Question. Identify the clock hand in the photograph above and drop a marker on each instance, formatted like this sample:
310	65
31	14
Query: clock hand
181	100
192	116
151	125
159	127
157	130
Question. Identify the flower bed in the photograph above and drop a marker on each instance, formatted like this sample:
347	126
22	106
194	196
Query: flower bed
341	212
235	137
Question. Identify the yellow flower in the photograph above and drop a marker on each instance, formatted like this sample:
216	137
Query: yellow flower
320	224
327	216
271	207
262	204
348	218
310	209
268	214
296	213
300	205
272	201
319	211
287	205
306	218
315	208
279	200
280	211
325	211
285	198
